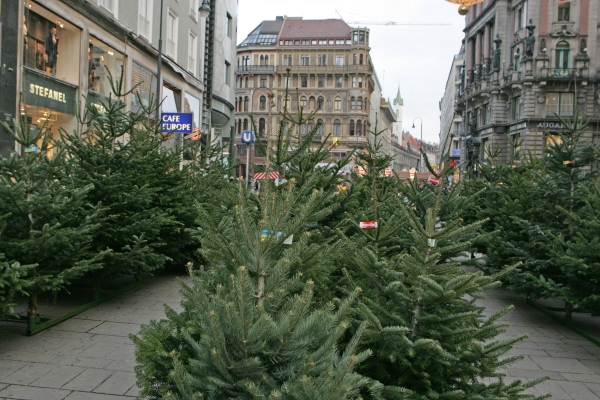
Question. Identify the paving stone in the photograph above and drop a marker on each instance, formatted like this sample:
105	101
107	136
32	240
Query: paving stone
118	383
8	367
561	365
83	362
116	328
95	396
88	380
581	378
73	347
33	393
533	373
28	374
58	377
99	350
120	365
77	325
594	387
134	391
526	363
553	388
578	391
594	365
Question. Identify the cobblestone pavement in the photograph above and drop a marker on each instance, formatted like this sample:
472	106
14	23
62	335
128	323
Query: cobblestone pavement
90	357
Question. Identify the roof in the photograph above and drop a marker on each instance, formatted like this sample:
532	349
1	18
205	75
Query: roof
298	28
264	34
399	100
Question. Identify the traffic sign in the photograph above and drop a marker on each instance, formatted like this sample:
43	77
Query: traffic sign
247	137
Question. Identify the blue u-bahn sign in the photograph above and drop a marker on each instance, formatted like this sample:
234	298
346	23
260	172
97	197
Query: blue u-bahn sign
247	137
177	122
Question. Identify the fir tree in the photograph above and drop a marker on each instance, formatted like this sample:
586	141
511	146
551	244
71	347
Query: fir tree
48	221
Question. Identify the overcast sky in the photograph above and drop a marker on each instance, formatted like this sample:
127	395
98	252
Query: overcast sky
418	58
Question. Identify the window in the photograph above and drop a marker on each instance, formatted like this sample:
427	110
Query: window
562	57
246	123
304	60
287	60
353	103
355	37
110	5
304	81
311	103
564	11
486	114
296	43
144	82
353	81
518	59
366	103
262	103
303	102
358	128
306	43
338	81
337	104
287	42
320	127
320	103
263	81
246	100
261	126
227	73
339	42
322	59
559	103
228	25
192	52
145	19
286	81
321	81
359	103
361	59
337	127
339	60
103	60
485	148
516	108
194	5
330	42
361	37
322	42
354	59
351	127
313	42
360	82
172	35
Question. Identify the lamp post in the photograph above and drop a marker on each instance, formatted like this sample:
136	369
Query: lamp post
419	165
204	10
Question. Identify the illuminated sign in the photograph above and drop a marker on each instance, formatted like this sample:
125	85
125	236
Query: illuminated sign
47	92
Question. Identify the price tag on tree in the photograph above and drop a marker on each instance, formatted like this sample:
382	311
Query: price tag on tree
368	224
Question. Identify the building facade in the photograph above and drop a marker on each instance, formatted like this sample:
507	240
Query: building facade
322	65
527	61
59	54
451	123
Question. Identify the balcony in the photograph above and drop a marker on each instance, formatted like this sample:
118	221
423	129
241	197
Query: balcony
255	69
324	69
565	73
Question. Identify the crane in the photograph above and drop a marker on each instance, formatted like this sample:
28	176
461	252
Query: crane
388	23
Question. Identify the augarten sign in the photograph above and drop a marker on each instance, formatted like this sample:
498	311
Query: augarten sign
551	125
177	122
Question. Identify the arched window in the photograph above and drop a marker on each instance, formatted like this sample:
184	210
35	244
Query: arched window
311	125
311	103
354	58
321	127
359	103
261	126
245	124
353	103
303	102
337	104
360	81
361	59
359	128
337	128
266	60
262	60
562	55
321	103
351	127
262	103
246	100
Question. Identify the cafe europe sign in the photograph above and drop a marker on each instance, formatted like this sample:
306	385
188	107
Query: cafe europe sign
177	122
49	93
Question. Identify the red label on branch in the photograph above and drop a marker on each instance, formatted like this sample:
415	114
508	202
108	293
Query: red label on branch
368	224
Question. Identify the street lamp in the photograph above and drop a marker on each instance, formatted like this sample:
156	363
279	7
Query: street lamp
204	9
419	166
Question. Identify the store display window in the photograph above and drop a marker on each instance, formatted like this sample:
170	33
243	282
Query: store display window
102	61
51	45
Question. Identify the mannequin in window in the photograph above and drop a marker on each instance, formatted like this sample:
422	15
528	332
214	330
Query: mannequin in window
51	56
25	32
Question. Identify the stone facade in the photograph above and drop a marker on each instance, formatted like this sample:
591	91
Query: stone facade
526	62
451	123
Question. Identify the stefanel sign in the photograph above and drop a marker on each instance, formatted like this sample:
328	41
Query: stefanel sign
177	122
49	93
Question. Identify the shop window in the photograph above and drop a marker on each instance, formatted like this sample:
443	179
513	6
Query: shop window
559	104
351	127
552	139
145	19
172	22
320	103
143	81
564	11
192	52
337	128
262	103
337	104
103	61
191	104
51	45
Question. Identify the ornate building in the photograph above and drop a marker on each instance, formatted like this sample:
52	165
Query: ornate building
526	62
323	64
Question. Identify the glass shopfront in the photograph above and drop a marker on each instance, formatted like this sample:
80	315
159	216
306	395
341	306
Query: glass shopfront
103	61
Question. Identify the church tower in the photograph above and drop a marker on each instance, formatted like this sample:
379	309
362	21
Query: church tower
398	105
